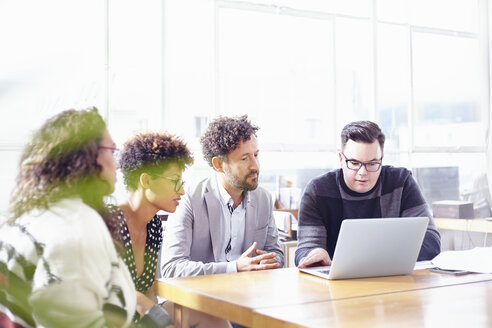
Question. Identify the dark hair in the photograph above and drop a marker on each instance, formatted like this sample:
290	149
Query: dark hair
362	131
152	152
61	161
224	134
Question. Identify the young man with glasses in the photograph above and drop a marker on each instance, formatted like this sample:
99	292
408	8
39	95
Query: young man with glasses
361	188
225	223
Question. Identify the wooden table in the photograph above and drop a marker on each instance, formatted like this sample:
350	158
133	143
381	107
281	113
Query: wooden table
247	297
463	305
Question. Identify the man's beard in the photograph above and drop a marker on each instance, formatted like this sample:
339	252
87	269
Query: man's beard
244	185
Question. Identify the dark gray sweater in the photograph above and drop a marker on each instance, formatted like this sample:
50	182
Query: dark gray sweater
327	201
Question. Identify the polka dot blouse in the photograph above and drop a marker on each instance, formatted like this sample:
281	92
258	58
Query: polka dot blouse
118	228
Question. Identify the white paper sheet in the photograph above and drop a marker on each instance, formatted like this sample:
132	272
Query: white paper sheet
422	265
478	259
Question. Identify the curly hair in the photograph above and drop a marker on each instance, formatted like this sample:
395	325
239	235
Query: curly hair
224	134
362	131
152	152
60	161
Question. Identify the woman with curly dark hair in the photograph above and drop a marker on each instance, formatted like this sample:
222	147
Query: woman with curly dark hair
152	165
59	265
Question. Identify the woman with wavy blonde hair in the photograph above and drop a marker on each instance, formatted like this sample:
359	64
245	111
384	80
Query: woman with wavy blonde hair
57	259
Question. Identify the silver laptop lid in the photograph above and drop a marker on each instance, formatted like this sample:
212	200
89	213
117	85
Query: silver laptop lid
376	247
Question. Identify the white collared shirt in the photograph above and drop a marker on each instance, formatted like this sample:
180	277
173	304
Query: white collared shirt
234	226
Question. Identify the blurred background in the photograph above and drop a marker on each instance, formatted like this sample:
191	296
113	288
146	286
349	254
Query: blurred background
300	69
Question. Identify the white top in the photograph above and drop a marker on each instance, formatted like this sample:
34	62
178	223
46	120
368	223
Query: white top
233	227
86	272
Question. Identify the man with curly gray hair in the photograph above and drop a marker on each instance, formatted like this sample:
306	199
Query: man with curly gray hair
225	223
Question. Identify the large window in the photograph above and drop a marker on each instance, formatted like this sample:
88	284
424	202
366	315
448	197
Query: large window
305	69
52	58
134	67
274	74
446	91
301	69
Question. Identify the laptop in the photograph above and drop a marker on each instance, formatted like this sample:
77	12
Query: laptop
374	248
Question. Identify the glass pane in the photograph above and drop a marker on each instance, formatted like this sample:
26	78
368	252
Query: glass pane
361	8
456	15
326	6
135	70
188	67
446	91
353	70
393	85
472	167
52	59
392	11
279	72
296	167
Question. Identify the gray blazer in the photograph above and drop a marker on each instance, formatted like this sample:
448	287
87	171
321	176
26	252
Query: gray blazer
193	234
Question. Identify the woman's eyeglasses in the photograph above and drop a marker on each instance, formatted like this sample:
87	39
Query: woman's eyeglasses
178	182
115	151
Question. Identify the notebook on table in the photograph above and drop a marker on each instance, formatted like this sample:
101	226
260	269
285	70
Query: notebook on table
375	247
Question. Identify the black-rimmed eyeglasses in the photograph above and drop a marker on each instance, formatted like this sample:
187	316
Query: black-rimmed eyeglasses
355	165
178	182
